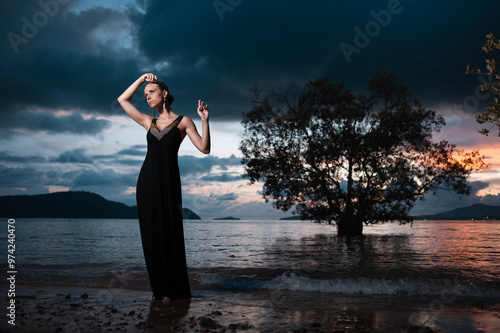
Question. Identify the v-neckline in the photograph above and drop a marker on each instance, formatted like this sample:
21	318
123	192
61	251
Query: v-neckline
168	126
153	129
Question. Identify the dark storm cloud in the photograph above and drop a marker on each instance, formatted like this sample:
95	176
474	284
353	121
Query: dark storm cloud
20	177
29	180
84	61
78	156
73	123
191	165
429	43
224	197
103	178
7	157
71	169
222	177
117	161
70	62
136	150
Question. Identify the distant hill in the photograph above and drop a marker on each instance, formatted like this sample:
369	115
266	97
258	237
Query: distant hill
475	212
227	218
70	205
188	214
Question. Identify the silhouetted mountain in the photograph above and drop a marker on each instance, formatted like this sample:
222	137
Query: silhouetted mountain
476	212
227	218
473	212
188	214
70	205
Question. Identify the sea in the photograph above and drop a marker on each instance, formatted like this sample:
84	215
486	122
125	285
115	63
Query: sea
424	258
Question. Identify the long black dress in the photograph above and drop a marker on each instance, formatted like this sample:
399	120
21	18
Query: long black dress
159	204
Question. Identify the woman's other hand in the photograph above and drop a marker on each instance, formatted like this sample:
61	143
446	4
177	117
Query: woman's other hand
202	110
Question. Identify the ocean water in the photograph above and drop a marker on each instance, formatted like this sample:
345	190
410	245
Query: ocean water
427	258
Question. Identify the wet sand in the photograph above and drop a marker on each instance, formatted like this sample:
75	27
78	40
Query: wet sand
83	309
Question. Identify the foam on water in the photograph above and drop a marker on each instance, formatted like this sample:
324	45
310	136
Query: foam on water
367	286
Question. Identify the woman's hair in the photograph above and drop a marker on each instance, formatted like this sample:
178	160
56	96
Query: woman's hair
163	86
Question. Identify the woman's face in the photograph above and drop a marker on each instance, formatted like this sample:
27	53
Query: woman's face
154	95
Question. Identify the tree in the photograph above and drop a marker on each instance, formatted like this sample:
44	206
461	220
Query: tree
493	87
346	159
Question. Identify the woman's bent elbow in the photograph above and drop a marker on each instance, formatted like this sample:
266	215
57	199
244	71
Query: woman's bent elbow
121	99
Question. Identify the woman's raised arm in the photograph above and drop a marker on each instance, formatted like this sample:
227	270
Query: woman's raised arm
124	100
201	142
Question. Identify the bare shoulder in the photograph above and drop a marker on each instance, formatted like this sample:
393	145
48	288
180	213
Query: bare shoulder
186	123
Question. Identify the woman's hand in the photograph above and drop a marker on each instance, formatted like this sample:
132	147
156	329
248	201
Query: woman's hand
202	110
149	77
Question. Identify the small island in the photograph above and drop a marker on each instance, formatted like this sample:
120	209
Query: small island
230	218
71	204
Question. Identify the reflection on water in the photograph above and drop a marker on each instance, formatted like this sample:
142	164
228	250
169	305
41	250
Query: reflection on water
429	250
471	247
329	256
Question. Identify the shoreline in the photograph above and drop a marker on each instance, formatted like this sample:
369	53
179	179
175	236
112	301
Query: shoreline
85	309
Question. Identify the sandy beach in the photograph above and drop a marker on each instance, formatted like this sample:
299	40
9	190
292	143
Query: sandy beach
74	309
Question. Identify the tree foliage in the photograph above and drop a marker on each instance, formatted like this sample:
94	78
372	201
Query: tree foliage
493	110
349	159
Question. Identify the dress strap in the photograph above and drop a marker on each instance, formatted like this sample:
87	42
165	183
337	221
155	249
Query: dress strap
153	124
177	121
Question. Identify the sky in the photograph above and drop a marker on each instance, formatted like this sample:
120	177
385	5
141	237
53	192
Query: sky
64	63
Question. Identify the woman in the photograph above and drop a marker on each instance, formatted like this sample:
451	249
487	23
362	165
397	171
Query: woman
158	193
